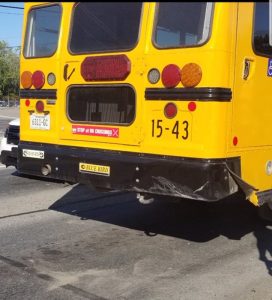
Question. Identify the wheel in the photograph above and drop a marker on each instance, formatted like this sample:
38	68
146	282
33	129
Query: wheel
265	212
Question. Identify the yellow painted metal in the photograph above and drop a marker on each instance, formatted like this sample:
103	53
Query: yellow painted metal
206	125
46	65
211	127
251	108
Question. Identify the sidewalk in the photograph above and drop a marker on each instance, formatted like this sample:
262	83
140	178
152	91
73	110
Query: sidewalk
9	112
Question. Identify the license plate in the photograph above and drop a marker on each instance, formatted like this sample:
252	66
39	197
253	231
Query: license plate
33	153
94	169
40	122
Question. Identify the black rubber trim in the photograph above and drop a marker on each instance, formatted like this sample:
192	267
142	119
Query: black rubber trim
38	94
183	94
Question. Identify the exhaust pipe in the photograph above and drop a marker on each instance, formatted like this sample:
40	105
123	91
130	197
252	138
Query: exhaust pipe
46	170
145	199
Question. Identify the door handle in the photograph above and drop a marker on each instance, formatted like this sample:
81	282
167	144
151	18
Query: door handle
247	68
65	70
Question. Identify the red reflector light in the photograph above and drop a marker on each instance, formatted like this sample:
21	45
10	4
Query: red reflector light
27	102
40	106
38	79
111	67
170	76
192	106
235	141
170	110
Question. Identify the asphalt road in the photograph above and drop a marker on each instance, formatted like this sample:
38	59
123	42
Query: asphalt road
59	241
68	242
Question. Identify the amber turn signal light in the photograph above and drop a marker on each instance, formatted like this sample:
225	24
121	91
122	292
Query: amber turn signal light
26	79
191	75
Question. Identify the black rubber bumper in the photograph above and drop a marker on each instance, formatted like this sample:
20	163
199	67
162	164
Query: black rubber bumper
9	158
200	179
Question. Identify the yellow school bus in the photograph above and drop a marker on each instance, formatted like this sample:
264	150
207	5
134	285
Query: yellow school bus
161	98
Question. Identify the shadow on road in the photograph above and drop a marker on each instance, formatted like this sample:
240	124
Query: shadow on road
264	243
190	220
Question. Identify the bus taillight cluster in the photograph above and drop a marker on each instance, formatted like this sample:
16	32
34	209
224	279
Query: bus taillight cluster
37	79
190	75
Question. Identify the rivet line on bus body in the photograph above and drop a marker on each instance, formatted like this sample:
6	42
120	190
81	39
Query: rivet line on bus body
57	158
137	169
56	168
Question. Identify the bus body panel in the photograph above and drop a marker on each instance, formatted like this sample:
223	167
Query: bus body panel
251	116
206	136
226	136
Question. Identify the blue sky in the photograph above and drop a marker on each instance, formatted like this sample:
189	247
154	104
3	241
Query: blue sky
11	21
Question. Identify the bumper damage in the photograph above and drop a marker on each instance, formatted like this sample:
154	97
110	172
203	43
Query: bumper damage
199	179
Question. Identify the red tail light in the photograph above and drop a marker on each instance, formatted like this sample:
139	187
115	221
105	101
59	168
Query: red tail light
40	106
111	67
38	79
171	76
170	110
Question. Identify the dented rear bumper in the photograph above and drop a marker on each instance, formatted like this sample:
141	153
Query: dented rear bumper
199	179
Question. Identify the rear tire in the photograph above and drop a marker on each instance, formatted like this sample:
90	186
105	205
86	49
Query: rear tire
265	212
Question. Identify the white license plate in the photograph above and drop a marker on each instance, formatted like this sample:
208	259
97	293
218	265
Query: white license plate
40	122
33	153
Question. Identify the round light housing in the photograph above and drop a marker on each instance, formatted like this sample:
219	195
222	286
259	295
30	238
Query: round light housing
39	106
171	76
192	106
191	75
170	110
38	79
51	79
26	79
153	76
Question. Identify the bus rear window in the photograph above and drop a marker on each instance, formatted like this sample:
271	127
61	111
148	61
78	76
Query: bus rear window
182	24
42	31
103	27
101	104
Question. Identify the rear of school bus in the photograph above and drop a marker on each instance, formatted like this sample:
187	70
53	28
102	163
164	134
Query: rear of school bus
130	96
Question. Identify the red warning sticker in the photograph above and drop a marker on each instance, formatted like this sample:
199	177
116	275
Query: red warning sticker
96	131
